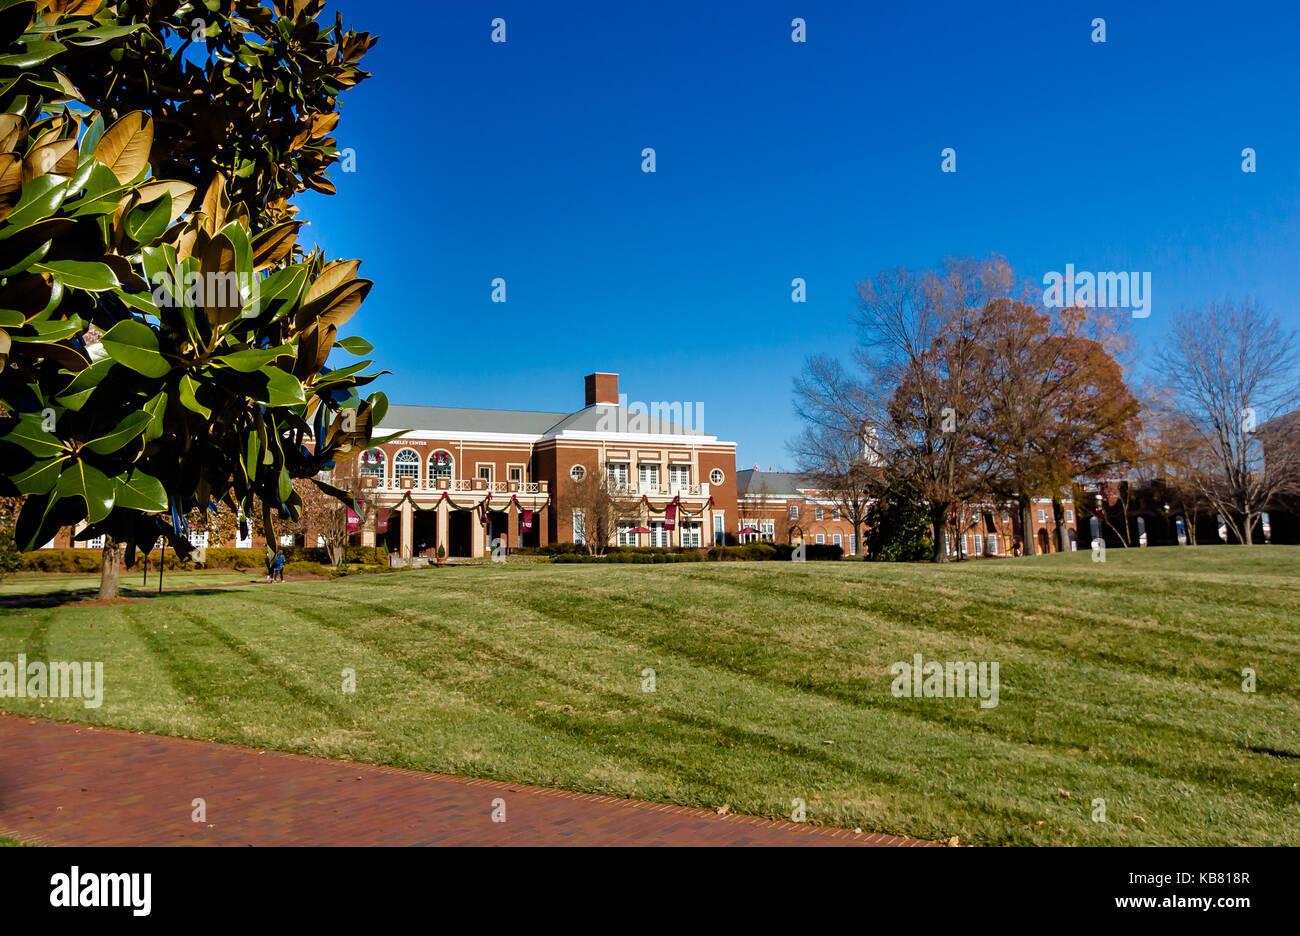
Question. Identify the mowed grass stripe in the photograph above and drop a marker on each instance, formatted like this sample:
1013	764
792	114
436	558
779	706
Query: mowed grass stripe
1118	681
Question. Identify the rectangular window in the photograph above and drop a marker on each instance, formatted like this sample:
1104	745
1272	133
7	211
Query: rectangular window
579	527
794	511
835	514
516	474
719	530
767	530
625	535
819	513
679	476
1069	515
853	544
485	472
648	474
95	543
835	540
658	535
1042	516
691	534
979	545
618	475
947	543
821	539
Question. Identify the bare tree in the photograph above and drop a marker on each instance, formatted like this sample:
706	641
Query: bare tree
324	516
844	465
1057	406
603	503
917	355
1230	367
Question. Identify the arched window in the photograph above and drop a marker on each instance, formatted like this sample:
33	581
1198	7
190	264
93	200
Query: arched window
372	464
406	464
441	464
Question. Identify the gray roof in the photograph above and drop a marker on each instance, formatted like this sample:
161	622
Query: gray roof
752	481
461	419
606	417
602	417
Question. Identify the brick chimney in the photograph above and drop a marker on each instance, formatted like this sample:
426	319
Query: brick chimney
602	388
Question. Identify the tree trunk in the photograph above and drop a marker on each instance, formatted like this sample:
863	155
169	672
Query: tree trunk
1249	531
939	522
110	564
1062	533
1029	540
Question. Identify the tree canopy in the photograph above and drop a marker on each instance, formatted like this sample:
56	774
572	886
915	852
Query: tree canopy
163	338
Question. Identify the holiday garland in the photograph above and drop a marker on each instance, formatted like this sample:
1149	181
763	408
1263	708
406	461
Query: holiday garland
681	510
483	507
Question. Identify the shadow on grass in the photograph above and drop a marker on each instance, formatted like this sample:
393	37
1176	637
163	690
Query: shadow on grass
90	596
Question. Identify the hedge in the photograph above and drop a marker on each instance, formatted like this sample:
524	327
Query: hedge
635	557
750	552
88	560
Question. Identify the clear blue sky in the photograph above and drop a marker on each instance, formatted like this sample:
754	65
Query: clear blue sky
775	160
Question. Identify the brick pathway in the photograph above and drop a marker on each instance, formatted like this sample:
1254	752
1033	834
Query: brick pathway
66	784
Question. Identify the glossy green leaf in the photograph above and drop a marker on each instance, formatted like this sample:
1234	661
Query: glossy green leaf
39	477
189	388
147	223
90	276
135	345
157	410
40	198
91	485
355	345
125	431
136	490
33	54
30	433
253	359
282	388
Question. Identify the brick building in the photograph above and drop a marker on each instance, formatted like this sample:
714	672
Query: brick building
466	479
786	507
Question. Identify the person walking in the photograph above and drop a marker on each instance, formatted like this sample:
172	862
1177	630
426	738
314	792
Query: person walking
277	567
269	557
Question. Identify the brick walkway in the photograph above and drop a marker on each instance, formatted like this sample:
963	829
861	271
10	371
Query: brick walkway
75	785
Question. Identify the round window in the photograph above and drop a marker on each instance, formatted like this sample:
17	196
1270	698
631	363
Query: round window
577	472
716	475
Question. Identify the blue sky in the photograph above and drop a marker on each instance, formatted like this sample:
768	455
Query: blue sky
777	160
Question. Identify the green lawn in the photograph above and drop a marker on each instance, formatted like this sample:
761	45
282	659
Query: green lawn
67	587
1119	681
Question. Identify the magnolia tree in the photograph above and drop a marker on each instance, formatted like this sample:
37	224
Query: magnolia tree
163	339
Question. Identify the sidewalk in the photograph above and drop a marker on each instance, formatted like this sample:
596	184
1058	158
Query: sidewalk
64	784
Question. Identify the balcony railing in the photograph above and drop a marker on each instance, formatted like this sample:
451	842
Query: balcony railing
454	485
660	489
